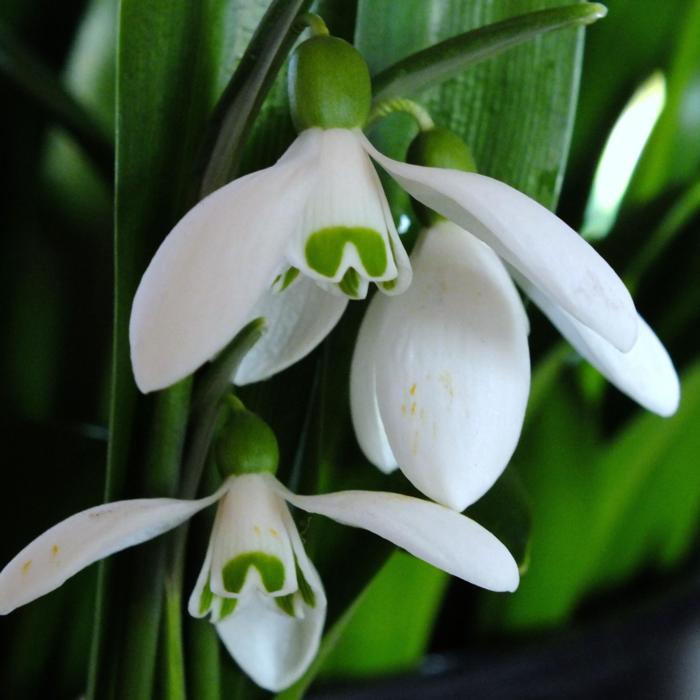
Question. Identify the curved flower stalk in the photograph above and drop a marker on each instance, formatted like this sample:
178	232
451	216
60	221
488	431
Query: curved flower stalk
257	584
440	375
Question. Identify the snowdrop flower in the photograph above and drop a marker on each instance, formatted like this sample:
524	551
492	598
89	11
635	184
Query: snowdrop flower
257	585
275	242
440	375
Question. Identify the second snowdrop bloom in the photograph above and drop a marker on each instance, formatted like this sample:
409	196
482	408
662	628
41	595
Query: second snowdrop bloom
440	375
257	585
275	243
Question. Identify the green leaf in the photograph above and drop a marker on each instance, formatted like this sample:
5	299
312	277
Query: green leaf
515	136
648	493
452	56
673	155
164	93
28	72
555	458
406	589
246	91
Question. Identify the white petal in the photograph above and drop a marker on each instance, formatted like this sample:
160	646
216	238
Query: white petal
86	537
645	373
207	275
251	521
298	319
347	197
453	368
199	604
527	235
273	648
364	407
446	539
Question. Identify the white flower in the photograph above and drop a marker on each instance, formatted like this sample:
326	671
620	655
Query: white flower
257	584
440	375
319	211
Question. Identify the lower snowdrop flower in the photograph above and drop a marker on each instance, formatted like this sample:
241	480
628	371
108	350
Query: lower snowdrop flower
257	584
440	375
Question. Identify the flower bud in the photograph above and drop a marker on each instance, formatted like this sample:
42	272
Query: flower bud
438	148
329	85
245	443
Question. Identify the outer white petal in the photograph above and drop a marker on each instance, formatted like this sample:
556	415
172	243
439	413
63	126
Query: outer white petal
438	535
273	648
645	373
84	538
207	275
532	239
364	407
298	319
453	368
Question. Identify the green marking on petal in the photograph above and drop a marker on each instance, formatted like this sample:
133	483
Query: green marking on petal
350	284
324	249
286	604
289	276
206	598
307	593
269	566
228	605
388	285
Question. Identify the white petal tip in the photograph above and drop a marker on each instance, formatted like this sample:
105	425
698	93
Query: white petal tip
667	405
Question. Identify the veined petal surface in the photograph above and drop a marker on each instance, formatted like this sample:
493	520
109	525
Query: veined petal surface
446	539
207	275
364	407
453	368
645	373
532	239
298	319
86	537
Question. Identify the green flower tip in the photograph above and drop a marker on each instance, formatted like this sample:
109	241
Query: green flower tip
329	85
438	148
245	443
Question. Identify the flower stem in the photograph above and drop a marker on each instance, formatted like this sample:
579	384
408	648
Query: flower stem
315	23
401	104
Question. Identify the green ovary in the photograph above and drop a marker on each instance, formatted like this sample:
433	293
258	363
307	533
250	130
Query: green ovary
324	249
270	568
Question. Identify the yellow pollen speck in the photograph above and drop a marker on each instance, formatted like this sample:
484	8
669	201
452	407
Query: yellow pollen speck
256	530
412	390
54	550
274	532
413	408
403	408
26	566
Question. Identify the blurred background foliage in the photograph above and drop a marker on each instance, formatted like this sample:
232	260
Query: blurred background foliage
601	503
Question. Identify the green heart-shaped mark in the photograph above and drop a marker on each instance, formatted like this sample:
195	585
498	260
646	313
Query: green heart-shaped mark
270	567
324	249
